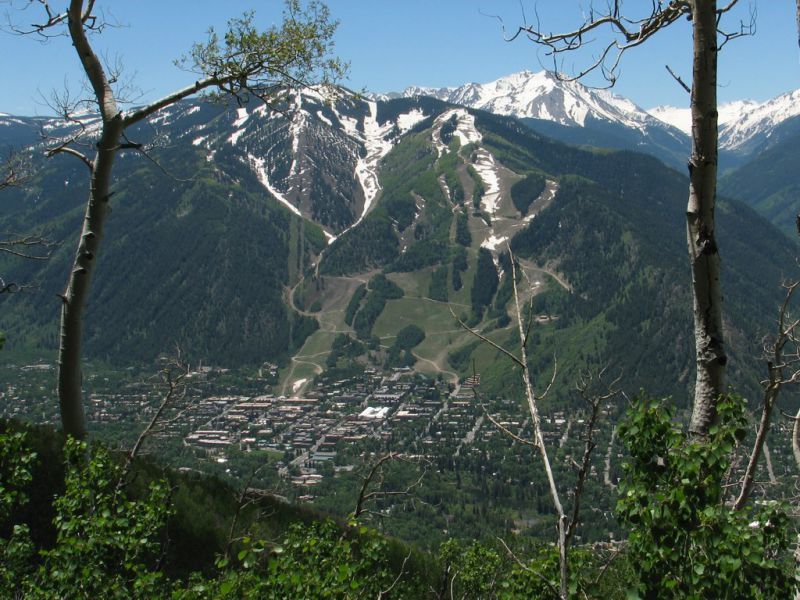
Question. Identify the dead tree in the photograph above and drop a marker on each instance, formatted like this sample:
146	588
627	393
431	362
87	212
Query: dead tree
244	61
373	487
627	31
30	247
15	173
566	524
172	383
783	368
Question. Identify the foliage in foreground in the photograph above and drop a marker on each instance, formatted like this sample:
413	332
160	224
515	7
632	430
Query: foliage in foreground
111	546
684	541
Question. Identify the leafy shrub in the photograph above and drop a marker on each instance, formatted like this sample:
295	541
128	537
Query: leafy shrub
685	542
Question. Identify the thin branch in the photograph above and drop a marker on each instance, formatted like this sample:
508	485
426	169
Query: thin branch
397	579
365	496
485	339
172	376
593	401
527	569
499	425
20	246
240	506
678	79
15	174
539	438
772	387
64	149
139	148
796	436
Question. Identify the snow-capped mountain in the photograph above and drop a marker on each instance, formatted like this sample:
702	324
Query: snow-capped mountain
569	111
542	96
746	127
681	118
757	127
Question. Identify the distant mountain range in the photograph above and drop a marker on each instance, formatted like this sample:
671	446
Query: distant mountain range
261	235
577	115
556	107
746	128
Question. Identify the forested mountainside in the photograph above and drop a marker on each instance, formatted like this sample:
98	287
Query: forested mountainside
610	224
202	244
207	249
769	184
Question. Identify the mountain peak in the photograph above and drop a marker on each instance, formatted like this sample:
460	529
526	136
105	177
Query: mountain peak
541	95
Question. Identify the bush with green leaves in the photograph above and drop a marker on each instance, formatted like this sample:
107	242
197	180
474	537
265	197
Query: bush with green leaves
482	572
312	562
685	541
107	545
16	549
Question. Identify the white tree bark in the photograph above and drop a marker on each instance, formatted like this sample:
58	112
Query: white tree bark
74	298
703	253
267	64
798	22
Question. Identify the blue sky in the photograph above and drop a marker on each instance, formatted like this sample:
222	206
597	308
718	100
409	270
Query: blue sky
392	44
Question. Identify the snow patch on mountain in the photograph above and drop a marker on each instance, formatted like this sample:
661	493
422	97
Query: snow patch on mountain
377	147
296	126
378	139
258	166
465	129
241	117
407	121
349	124
234	137
487	169
493	242
733	111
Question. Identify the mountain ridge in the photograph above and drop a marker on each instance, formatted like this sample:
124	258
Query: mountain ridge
452	186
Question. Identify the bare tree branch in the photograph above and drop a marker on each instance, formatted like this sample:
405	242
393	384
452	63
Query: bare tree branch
483	338
397	579
365	496
172	377
29	247
499	425
527	569
64	149
15	172
777	364
593	401
678	79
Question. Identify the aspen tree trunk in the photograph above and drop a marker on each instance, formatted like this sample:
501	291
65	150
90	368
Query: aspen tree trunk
74	299
798	22
701	240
